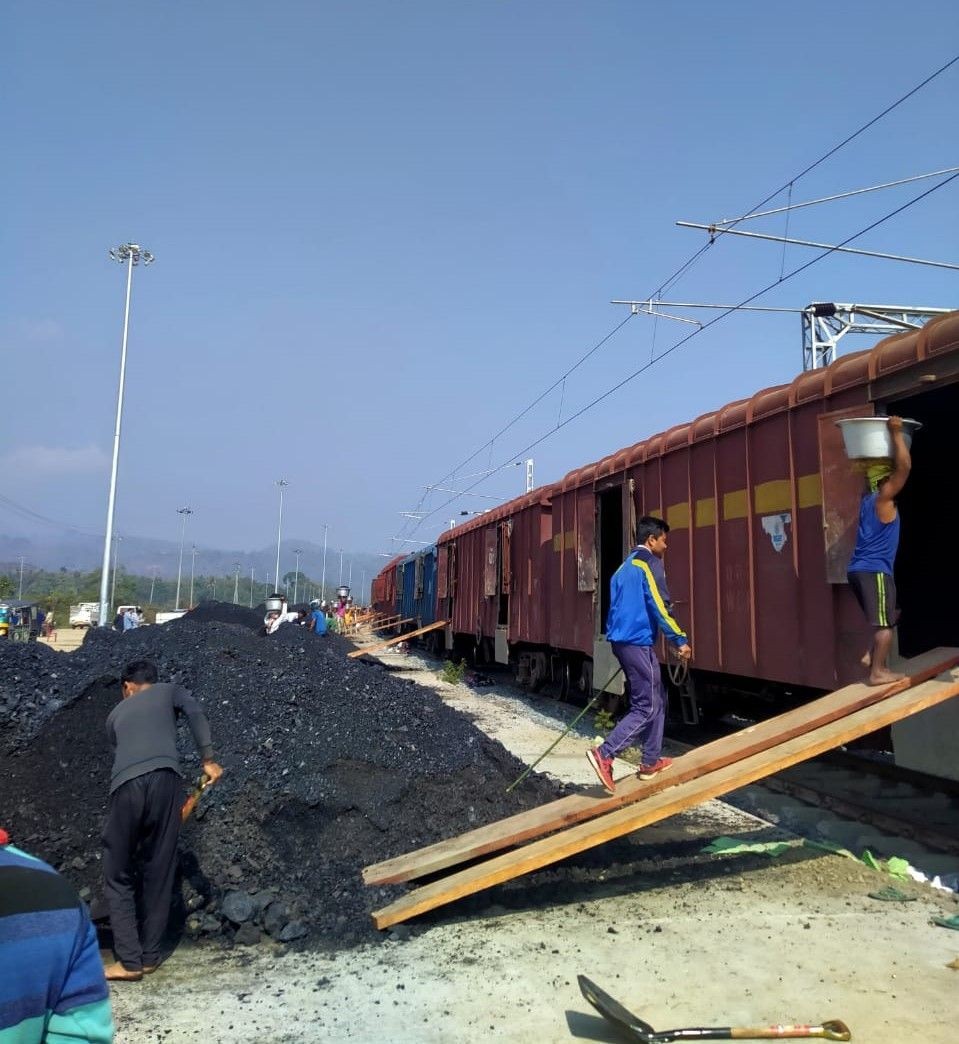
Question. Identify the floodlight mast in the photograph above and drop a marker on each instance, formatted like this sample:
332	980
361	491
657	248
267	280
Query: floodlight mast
129	254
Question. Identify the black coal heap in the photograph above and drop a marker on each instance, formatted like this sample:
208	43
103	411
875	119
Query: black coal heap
331	764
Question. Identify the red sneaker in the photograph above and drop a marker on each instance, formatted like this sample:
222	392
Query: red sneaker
603	767
649	771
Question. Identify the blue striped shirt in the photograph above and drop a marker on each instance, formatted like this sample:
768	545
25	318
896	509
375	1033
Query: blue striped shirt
52	989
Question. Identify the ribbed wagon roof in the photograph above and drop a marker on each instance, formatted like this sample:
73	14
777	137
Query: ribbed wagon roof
898	352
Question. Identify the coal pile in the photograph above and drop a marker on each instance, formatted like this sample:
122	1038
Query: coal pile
331	764
226	612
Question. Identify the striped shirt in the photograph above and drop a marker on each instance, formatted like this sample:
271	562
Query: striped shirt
52	989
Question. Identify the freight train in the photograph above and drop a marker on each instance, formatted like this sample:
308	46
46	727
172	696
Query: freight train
762	506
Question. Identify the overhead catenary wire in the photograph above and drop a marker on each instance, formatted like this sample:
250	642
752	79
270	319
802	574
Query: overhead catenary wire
753	214
677	274
712	322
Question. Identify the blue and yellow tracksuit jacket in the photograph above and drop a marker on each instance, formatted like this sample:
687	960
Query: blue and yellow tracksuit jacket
639	606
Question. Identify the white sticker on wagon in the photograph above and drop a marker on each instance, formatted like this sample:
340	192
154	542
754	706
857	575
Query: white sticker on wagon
775	526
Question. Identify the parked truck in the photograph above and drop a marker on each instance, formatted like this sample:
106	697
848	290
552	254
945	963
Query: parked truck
86	614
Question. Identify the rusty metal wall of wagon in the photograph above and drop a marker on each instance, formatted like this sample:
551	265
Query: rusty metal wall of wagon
530	541
762	506
570	565
489	575
383	588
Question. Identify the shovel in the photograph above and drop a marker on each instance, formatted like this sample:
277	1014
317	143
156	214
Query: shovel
190	804
636	1029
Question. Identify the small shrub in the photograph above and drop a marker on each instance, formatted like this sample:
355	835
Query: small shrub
453	672
603	722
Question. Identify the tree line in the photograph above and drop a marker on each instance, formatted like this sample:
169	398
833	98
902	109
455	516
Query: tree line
57	590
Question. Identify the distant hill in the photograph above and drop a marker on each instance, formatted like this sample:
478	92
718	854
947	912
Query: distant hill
143	557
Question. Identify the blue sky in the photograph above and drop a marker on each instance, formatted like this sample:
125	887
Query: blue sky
382	229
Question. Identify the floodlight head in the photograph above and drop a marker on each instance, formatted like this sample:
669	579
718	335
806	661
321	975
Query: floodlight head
132	252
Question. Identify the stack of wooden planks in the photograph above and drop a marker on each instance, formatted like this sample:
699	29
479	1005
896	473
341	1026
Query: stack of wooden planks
576	823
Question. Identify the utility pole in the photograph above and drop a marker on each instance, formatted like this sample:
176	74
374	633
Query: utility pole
184	513
341	567
529	476
153	581
20	595
236	583
296	575
323	581
252	574
130	254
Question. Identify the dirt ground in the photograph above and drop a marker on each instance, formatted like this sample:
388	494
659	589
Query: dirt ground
680	938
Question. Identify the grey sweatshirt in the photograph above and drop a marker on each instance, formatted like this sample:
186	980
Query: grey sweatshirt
142	731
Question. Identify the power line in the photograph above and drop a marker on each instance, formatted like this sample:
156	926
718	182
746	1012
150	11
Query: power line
712	322
672	279
34	516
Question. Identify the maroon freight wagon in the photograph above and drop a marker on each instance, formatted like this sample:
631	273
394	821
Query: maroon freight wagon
762	505
491	585
383	588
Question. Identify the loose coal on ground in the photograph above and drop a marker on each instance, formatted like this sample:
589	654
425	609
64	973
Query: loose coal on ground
331	764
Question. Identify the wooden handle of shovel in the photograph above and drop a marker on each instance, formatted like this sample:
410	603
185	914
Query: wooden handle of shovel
832	1030
190	804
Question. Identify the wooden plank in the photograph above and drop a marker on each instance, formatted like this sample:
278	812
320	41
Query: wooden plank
577	808
398	638
392	623
667	802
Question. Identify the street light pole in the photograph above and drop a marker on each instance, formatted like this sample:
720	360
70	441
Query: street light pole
183	512
326	528
296	574
236	583
129	254
282	483
192	568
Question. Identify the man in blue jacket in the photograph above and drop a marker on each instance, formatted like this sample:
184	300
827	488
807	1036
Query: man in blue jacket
639	609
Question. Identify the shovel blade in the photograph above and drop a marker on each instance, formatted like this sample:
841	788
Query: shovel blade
614	1012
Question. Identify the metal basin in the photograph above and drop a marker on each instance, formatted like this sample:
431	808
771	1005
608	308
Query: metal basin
866	437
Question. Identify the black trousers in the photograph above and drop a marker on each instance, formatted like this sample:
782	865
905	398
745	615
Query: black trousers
143	824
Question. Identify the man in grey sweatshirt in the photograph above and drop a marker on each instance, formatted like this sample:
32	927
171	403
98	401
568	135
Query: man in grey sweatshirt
143	814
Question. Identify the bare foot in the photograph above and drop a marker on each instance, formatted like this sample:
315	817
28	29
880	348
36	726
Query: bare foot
866	660
884	678
117	973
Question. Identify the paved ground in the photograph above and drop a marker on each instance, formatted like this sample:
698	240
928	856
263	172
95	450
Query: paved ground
752	940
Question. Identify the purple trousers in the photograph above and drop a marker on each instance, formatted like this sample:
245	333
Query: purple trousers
643	723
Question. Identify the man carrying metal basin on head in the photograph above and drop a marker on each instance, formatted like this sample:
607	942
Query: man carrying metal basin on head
870	569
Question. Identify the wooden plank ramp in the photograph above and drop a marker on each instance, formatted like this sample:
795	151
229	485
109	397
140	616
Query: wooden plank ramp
391	623
399	638
577	808
688	787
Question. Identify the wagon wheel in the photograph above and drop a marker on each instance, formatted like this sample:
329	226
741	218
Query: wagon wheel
567	679
586	679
